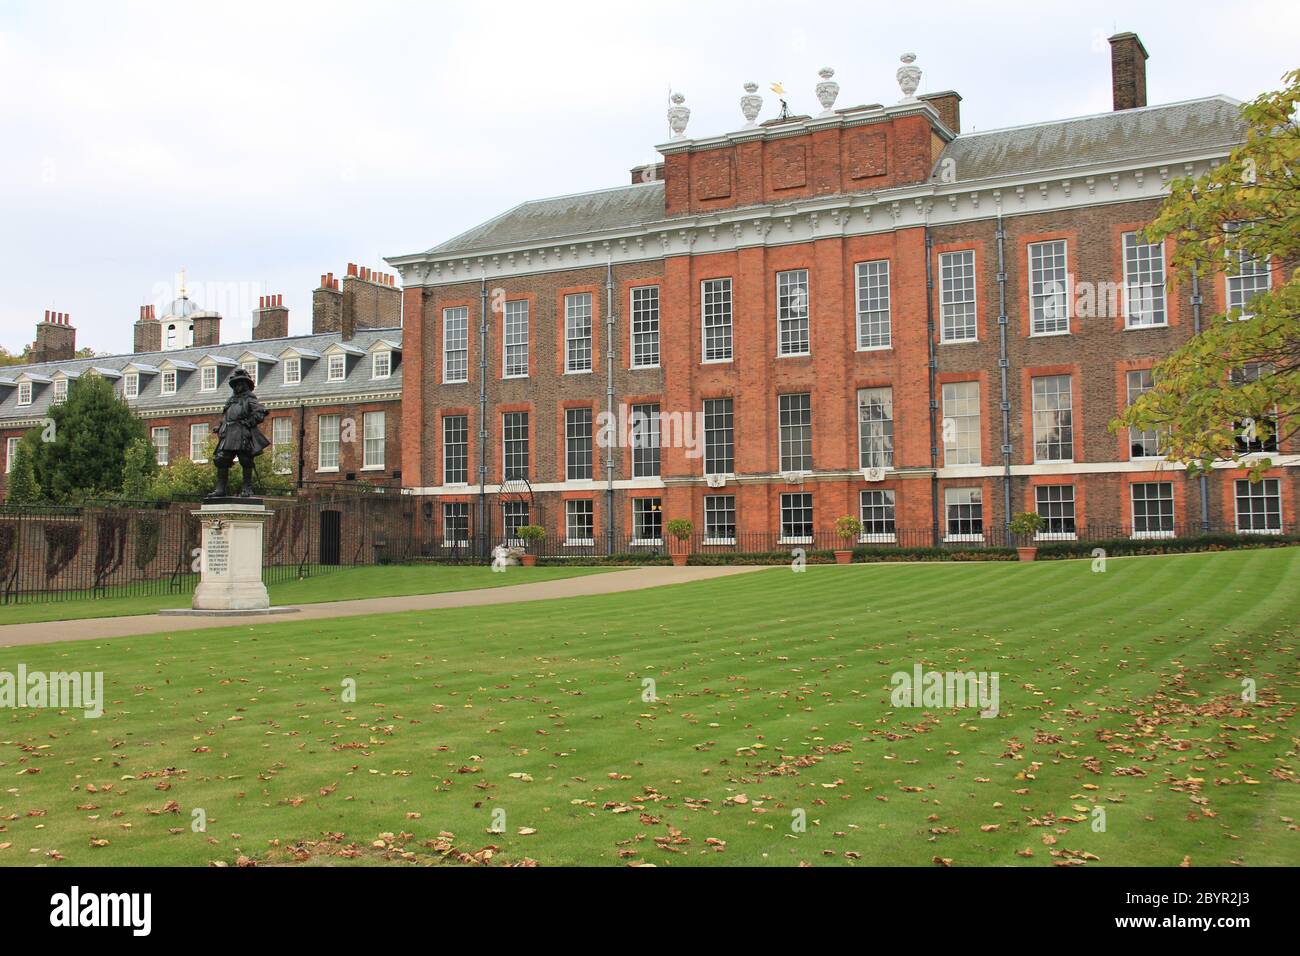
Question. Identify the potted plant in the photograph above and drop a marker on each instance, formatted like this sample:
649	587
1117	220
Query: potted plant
680	529
529	534
848	528
1025	526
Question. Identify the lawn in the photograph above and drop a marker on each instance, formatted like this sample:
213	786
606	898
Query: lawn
1119	690
343	584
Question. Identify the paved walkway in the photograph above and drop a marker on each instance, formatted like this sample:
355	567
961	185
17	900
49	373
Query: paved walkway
611	582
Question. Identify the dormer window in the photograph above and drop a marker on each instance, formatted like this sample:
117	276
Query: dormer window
338	367
381	365
208	378
131	385
169	382
60	391
292	371
24	393
251	369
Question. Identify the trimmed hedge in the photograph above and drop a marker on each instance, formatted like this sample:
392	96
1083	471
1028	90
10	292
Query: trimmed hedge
1121	547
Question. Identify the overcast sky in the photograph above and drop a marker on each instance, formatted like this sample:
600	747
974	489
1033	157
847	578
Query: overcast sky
259	145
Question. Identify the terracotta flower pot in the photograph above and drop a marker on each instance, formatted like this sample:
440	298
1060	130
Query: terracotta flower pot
1027	554
528	560
843	557
679	560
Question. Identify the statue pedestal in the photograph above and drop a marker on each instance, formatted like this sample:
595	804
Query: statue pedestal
230	562
231	556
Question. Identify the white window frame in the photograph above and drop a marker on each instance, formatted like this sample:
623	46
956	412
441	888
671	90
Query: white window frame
468	516
959	453
1047	534
954	266
1141	274
888	500
782	443
792	323
1036	412
11	449
1263	485
167	381
198	448
162	452
716	304
516	309
447	445
294	363
783	538
641	312
1173	510
569	514
60	391
577	309
130	386
204	373
974	496
1235	286
1131	395
281	443
871	288
527	442
573	420
1040	300
387	356
25	392
643	505
886	437
329	463
336	367
374	440
713	499
459	335
729	428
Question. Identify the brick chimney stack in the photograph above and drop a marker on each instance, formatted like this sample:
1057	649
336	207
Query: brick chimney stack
207	328
148	332
271	317
1128	71
56	339
368	300
327	306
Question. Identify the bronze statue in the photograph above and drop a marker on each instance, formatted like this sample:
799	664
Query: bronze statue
238	436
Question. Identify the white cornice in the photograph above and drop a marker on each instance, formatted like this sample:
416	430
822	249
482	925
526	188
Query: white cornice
803	220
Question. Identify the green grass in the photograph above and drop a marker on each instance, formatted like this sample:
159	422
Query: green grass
1119	690
343	584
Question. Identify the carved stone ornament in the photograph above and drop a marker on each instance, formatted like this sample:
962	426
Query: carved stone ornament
678	116
750	104
909	77
827	90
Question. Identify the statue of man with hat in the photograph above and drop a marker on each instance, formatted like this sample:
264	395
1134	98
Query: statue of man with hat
238	435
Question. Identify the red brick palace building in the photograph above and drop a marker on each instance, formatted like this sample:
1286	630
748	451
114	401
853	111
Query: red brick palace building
864	312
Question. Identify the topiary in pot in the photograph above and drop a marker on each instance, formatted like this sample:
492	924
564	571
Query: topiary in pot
1025	526
530	534
849	529
680	529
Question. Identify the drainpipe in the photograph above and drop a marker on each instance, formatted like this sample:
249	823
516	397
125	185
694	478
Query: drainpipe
1003	365
1203	480
933	363
482	417
609	405
302	441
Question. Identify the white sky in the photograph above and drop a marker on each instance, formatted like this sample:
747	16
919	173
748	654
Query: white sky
259	145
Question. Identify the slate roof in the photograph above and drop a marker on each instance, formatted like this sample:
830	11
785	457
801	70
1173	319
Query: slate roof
270	388
1205	125
564	216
